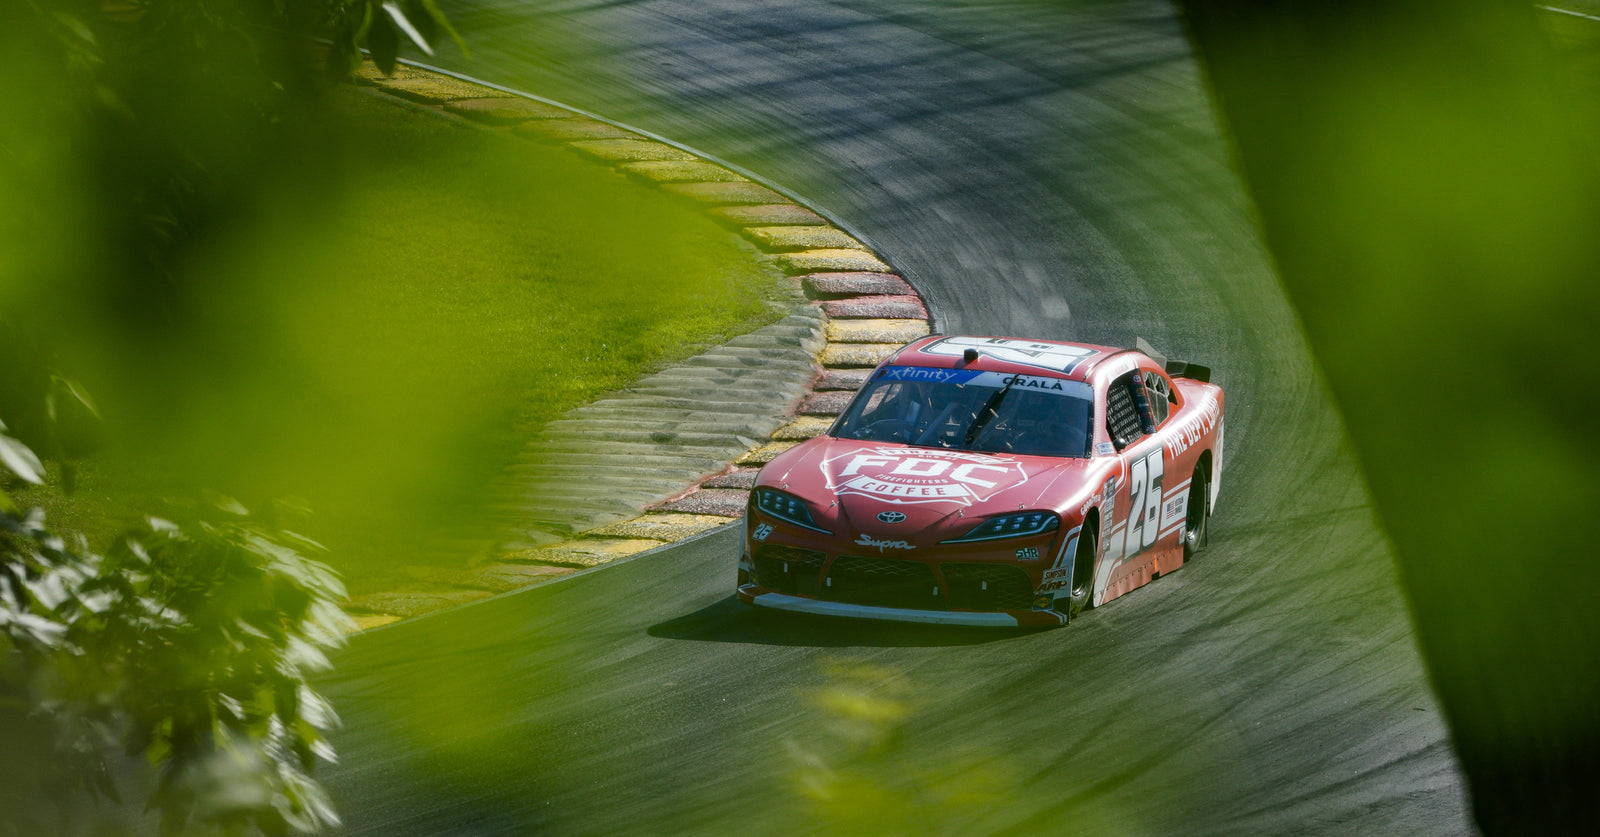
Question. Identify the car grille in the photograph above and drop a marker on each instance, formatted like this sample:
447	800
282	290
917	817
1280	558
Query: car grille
988	586
882	582
788	569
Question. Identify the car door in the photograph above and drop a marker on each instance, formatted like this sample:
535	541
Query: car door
1133	546
1175	467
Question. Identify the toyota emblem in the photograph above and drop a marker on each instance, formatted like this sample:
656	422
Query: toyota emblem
891	517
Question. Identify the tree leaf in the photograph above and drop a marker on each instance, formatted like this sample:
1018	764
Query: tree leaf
21	460
400	20
424	22
432	7
76	392
384	43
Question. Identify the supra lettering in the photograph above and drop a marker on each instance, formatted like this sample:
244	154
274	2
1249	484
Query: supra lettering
868	540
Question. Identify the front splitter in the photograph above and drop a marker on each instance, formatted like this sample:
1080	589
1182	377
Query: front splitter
795	604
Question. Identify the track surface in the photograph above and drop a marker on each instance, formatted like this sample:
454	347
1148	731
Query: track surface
1035	171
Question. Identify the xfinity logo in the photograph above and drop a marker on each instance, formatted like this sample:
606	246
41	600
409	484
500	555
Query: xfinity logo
890	517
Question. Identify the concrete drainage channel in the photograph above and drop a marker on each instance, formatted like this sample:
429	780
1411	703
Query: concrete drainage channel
675	454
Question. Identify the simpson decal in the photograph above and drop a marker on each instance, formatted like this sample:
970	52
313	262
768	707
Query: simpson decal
897	475
1042	355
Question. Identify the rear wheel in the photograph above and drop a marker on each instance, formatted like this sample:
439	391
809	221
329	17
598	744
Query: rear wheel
1082	571
1198	516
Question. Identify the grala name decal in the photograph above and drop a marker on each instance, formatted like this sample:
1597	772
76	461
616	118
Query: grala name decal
972	377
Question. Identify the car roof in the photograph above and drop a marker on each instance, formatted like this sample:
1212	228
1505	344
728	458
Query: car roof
1013	355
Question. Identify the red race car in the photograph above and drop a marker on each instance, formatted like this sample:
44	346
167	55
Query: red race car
990	481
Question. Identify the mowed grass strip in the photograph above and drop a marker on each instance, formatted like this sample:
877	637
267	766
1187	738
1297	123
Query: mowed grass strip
399	345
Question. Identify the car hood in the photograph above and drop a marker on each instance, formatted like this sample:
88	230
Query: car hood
887	489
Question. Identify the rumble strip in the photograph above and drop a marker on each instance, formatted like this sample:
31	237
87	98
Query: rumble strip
675	454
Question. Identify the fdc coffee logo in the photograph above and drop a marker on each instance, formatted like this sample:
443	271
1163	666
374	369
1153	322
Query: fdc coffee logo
896	475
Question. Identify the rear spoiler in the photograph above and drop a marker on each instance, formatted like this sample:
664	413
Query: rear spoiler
1175	368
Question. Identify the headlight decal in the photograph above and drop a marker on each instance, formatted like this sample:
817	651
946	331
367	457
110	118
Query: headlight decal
784	506
1015	525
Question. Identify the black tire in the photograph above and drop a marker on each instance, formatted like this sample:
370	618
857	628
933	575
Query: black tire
1082	572
1197	519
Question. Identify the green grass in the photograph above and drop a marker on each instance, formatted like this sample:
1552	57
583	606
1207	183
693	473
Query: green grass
384	355
1577	41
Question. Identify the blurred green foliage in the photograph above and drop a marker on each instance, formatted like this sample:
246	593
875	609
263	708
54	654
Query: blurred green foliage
1428	184
175	666
856	774
269	285
279	288
383	350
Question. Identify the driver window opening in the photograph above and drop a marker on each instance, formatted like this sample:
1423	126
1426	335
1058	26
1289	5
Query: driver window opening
1123	422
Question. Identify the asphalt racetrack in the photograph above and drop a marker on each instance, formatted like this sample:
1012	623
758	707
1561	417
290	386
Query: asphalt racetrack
1035	169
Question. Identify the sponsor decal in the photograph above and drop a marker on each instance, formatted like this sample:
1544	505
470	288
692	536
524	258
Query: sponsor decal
1175	509
1057	574
1031	382
1105	449
1043	602
868	540
899	475
1028	553
891	517
972	377
1193	429
1027	352
1108	506
923	373
761	532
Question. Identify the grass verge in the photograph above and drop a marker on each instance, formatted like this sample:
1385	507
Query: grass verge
384	354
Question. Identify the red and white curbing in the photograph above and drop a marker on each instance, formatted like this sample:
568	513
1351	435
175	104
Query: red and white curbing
869	311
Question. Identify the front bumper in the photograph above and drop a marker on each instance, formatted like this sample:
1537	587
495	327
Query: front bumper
990	619
795	604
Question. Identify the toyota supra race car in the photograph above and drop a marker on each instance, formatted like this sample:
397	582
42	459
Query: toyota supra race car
990	481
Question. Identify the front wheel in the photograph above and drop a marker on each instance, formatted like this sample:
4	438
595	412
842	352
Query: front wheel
1082	572
1198	515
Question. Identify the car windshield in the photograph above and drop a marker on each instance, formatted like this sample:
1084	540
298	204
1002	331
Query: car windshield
990	412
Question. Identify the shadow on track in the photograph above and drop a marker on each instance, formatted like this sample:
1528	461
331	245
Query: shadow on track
729	620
